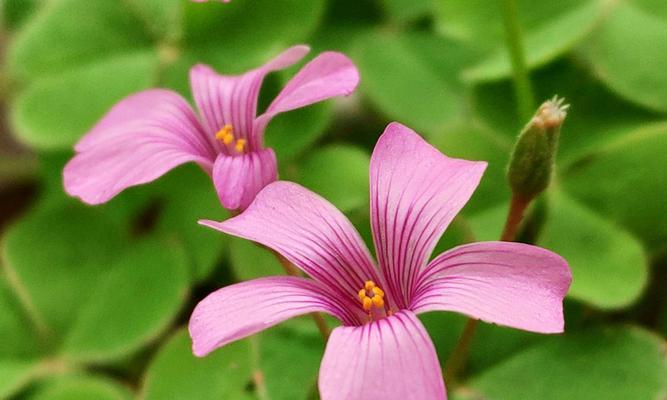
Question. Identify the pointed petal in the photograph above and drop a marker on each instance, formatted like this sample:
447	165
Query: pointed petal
311	233
512	284
416	191
390	359
232	99
239	310
239	178
328	75
137	141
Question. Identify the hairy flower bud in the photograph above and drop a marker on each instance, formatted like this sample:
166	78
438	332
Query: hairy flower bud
531	165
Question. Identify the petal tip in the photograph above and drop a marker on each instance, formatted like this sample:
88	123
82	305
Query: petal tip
302	48
209	223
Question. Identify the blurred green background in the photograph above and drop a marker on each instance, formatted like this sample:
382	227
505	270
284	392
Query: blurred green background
94	300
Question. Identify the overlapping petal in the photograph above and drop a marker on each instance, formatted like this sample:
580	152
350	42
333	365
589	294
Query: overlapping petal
389	359
510	284
137	141
232	99
238	179
239	310
416	191
311	233
328	75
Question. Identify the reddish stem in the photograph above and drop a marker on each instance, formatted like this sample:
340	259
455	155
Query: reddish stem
514	217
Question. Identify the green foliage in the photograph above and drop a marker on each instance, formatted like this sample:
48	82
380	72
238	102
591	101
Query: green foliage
628	198
629	52
412	77
81	387
339	174
305	350
54	111
115	322
609	266
611	363
175	373
249	261
94	300
549	29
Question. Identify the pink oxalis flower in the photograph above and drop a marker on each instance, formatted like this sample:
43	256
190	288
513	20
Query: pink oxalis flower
151	132
382	351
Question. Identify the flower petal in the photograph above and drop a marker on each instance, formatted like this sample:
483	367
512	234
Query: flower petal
311	233
137	141
416	191
389	359
512	284
232	99
239	178
239	310
328	75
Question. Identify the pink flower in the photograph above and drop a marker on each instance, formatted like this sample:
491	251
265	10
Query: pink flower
382	351
151	132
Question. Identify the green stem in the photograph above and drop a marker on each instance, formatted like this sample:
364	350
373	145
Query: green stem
522	85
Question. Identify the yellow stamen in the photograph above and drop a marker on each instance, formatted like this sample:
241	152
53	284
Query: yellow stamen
225	134
371	296
227	139
240	145
368	303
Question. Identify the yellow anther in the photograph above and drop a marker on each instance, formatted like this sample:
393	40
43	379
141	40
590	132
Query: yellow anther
227	139
225	134
371	296
240	145
368	303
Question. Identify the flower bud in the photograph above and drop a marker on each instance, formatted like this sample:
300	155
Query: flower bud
532	162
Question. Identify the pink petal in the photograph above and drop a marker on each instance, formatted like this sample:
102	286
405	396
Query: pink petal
415	193
328	75
311	233
239	178
512	284
137	141
239	310
232	99
390	359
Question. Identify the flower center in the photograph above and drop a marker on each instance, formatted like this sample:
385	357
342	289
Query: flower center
371	296
226	136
